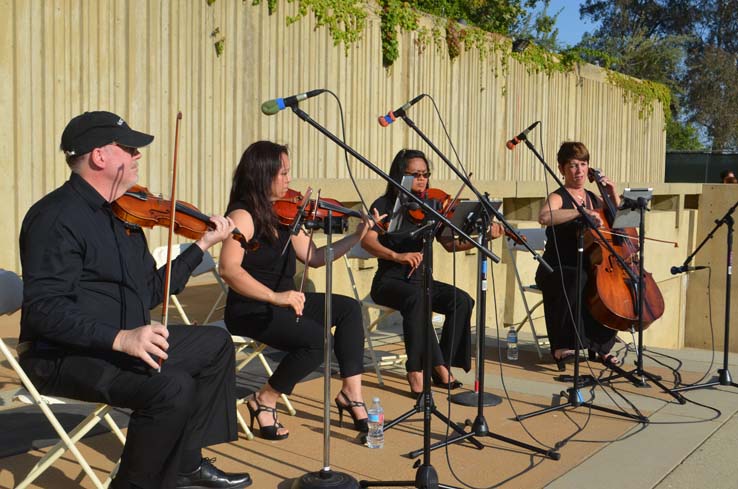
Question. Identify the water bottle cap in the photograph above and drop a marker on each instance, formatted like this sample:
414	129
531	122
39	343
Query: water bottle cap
376	399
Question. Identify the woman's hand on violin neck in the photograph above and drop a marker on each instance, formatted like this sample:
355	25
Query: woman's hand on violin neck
368	222
496	230
290	298
224	226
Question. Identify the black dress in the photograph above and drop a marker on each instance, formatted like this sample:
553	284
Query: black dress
391	287
559	288
277	326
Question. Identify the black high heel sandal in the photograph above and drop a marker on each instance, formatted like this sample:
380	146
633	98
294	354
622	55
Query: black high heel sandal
266	432
361	425
566	357
607	359
436	377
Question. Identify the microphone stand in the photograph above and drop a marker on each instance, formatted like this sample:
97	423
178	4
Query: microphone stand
639	375
574	397
723	377
326	477
479	426
426	476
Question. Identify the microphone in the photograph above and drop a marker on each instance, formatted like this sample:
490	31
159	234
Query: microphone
521	137
271	107
386	120
685	268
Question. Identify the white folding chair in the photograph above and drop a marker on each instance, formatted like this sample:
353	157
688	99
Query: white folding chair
11	296
358	253
206	265
536	239
241	343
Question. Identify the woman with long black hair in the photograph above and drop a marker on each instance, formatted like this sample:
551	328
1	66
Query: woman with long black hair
263	303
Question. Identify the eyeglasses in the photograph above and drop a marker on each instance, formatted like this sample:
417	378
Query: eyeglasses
128	149
419	174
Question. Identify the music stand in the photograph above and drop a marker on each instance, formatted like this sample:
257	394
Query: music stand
480	219
631	214
468	213
397	218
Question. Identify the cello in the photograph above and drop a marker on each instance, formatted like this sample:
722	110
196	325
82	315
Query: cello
612	295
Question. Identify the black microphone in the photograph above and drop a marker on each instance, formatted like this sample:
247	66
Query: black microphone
386	120
685	268
521	137
271	107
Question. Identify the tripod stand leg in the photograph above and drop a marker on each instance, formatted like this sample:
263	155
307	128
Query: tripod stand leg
638	378
415	410
455	426
723	379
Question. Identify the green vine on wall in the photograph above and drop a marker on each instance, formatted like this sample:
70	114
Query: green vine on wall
394	15
271	5
642	92
346	21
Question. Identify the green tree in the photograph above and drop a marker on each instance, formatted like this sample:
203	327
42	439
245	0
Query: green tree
690	46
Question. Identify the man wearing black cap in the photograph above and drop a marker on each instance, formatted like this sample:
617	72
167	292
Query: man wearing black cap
86	331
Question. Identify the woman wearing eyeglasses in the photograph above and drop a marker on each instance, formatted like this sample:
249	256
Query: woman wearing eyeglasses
397	284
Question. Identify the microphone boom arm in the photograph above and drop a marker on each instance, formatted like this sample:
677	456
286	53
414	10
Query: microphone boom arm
426	208
482	199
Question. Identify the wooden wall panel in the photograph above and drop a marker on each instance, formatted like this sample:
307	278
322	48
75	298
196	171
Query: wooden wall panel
147	59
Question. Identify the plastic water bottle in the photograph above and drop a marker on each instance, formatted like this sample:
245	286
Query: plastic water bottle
375	437
512	344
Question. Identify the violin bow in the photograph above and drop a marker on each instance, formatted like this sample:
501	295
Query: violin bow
303	280
170	237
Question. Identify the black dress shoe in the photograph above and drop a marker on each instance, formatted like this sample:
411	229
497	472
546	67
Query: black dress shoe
208	476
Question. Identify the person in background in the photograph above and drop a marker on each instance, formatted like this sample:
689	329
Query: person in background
728	176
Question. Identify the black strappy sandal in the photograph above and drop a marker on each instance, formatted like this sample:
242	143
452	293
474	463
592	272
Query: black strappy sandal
361	425
566	357
266	432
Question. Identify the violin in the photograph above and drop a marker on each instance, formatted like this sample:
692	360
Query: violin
437	199
613	300
140	207
446	206
294	205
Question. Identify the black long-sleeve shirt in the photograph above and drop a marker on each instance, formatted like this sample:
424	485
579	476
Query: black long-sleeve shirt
86	274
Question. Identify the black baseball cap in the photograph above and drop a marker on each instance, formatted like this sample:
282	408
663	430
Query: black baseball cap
96	129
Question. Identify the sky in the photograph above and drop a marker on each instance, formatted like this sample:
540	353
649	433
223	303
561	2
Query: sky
570	26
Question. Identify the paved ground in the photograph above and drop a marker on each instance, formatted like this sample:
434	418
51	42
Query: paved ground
683	445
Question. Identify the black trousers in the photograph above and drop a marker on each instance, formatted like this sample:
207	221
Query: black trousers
303	340
561	322
189	405
455	304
